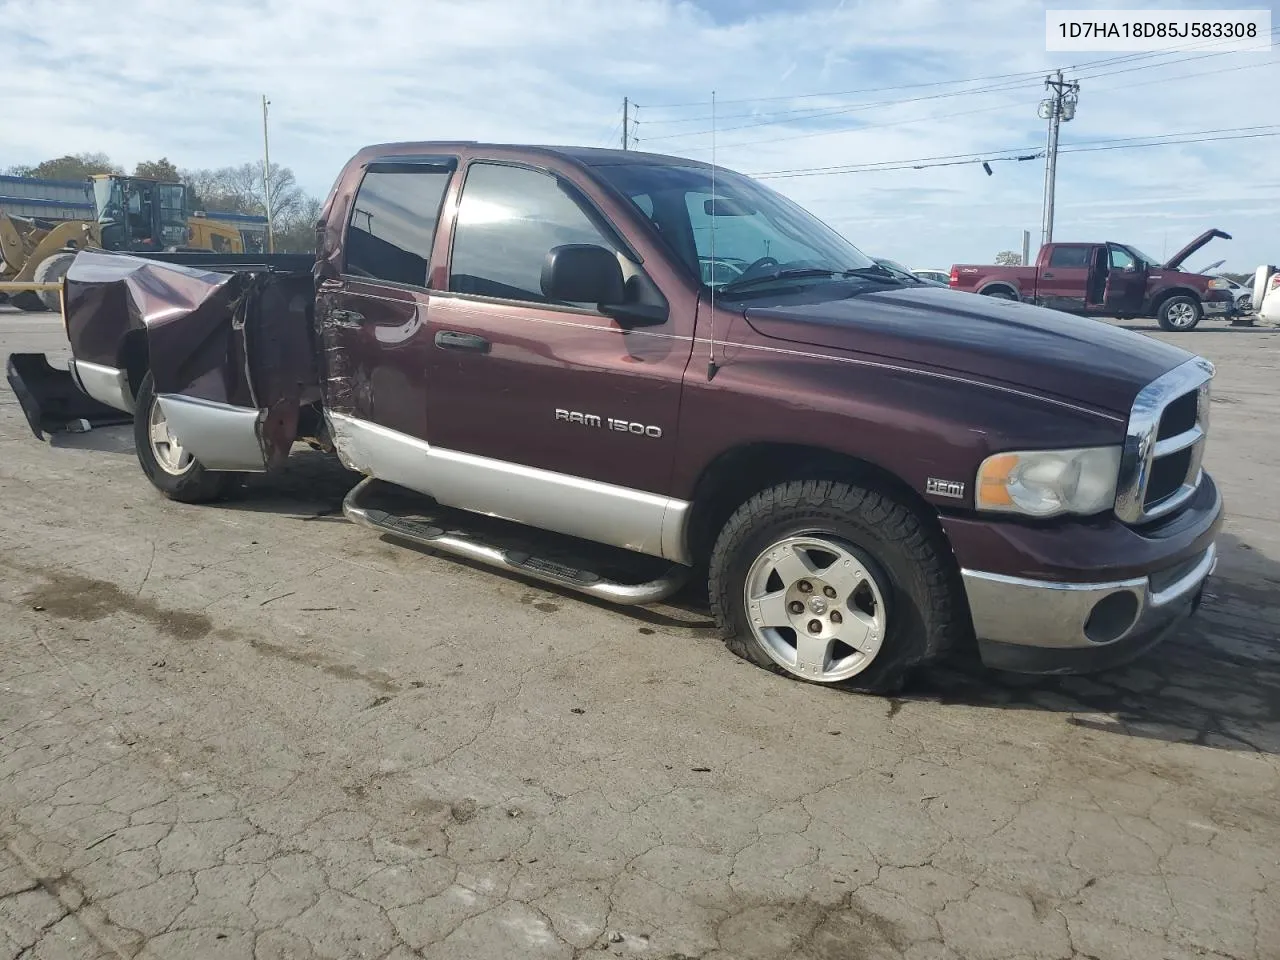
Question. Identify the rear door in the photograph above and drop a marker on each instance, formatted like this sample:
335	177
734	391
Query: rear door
372	320
1064	279
1126	284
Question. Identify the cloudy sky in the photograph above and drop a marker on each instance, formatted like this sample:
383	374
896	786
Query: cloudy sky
856	82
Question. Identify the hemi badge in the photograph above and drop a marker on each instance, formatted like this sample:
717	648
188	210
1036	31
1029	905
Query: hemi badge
944	488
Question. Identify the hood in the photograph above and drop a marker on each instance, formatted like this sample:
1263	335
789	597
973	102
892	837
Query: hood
1174	262
1045	352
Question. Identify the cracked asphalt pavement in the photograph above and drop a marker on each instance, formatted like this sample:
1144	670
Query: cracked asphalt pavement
254	730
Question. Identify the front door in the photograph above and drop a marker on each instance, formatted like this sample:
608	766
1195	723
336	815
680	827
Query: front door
550	411
1064	280
1126	286
372	320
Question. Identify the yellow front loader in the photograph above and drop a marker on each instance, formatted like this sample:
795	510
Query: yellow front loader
133	214
34	255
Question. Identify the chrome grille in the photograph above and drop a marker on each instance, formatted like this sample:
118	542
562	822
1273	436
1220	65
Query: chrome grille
1164	443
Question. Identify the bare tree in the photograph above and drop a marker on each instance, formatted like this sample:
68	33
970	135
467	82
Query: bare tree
239	190
1009	258
297	233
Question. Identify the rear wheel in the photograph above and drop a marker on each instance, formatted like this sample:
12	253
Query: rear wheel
1179	313
52	270
168	465
833	583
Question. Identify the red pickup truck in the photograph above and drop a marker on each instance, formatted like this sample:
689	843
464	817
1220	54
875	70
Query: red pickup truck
1110	280
864	471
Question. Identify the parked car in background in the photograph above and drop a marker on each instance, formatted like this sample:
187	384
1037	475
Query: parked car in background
1110	280
1243	292
905	275
941	276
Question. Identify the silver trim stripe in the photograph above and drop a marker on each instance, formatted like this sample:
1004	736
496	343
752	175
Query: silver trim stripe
603	512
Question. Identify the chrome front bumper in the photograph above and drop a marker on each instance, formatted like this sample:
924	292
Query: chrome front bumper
1063	617
1216	308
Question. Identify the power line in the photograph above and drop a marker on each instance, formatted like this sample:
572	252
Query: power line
1125	58
813	114
947	116
1086	146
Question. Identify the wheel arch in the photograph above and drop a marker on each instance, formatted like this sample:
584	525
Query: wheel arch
739	473
994	286
134	357
1160	297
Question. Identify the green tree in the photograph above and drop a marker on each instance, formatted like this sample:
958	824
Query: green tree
77	166
161	169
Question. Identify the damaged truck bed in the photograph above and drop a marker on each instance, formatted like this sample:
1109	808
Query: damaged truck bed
548	342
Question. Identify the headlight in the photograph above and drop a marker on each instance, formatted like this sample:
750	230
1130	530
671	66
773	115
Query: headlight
1219	284
1045	483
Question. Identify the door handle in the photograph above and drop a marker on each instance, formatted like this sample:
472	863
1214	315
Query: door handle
1046	276
345	318
452	340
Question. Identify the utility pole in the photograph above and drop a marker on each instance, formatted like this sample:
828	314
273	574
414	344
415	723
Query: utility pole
1026	248
266	176
1058	108
626	120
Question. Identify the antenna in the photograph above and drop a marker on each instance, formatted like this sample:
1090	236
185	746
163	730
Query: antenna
711	359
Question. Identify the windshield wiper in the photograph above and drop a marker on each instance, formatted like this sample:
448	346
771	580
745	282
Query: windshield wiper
876	273
793	274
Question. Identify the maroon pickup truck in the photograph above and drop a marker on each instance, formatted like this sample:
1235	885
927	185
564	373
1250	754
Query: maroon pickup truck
533	339
1109	280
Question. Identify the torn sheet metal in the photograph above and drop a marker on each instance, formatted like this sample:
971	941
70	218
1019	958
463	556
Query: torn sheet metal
241	338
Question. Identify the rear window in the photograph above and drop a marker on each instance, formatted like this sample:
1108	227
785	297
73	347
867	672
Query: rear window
393	224
1069	257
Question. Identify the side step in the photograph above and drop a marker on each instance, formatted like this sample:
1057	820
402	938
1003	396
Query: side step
461	544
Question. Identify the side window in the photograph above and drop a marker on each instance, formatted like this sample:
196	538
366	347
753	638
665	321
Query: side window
1069	257
393	223
508	220
1121	259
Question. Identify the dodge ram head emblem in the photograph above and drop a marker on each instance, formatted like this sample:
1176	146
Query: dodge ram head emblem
944	488
611	423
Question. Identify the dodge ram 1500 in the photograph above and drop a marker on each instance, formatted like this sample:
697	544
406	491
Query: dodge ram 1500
867	472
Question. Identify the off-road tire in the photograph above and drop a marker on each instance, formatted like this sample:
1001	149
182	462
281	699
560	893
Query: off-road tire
195	484
1173	303
927	612
52	270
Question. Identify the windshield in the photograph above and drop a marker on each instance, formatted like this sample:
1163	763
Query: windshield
723	234
107	200
1144	257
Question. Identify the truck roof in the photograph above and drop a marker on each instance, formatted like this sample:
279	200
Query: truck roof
587	156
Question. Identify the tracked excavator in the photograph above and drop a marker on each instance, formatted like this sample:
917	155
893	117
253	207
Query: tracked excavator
131	214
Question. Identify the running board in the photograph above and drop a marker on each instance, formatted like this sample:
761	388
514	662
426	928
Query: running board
461	544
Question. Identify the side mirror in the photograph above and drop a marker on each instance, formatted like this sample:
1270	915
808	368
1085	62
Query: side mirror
582	273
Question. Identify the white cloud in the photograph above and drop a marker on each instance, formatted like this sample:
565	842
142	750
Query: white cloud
143	79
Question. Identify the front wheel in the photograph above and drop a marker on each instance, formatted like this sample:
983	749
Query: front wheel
170	467
1179	313
834	583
